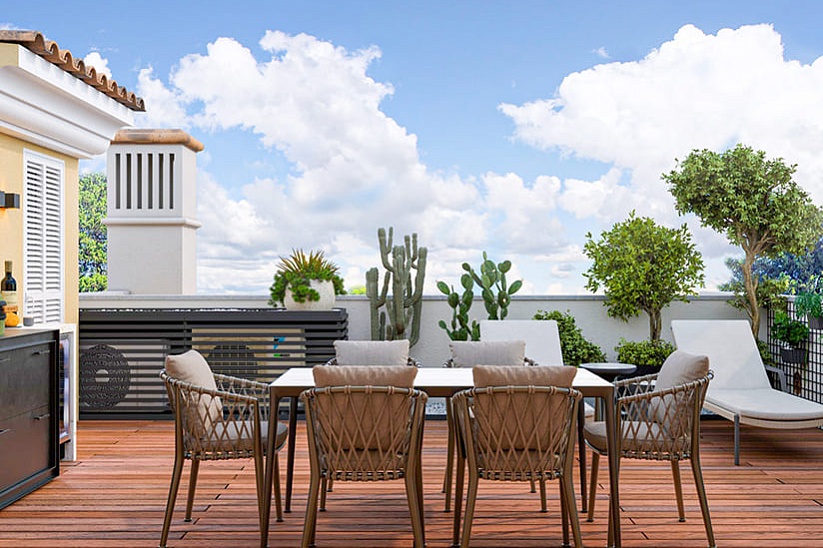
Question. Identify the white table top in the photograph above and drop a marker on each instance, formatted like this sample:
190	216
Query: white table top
435	381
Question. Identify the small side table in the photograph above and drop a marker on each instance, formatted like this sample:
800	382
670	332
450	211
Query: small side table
610	370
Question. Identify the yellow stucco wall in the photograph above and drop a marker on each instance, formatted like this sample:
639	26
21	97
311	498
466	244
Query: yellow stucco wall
11	220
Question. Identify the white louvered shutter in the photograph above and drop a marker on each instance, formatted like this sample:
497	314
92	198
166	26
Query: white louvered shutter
43	233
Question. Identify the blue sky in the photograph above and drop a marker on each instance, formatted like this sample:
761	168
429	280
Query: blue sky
512	127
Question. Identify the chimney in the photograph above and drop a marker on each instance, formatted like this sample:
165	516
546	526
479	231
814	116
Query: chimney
152	205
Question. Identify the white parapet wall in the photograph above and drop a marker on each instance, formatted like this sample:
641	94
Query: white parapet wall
433	347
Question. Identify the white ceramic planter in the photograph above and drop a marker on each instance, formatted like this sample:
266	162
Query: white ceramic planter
326	302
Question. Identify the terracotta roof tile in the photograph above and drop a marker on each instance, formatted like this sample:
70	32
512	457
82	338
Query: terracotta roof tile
38	44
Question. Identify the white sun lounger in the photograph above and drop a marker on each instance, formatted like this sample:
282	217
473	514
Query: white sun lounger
740	390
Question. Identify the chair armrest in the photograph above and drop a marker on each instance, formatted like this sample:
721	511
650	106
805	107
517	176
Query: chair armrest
781	377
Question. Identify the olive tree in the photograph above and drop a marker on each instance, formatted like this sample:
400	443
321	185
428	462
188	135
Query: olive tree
643	266
93	241
753	201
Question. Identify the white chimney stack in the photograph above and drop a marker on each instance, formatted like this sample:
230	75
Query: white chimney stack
152	205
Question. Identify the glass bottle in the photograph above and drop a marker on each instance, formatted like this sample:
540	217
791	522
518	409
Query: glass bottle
8	292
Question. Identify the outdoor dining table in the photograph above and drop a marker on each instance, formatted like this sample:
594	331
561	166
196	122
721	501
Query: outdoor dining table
437	382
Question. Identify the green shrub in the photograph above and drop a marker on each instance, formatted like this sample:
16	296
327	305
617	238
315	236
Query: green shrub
576	349
788	330
640	353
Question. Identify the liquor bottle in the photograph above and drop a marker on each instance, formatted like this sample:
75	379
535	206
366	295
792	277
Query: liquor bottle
8	292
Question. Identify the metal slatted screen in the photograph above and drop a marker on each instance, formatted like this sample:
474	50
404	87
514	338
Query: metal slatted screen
122	351
804	367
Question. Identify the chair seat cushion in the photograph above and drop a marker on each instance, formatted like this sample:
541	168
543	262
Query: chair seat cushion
765	404
637	436
238	436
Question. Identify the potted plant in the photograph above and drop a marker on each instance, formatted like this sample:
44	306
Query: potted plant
792	332
810	304
306	281
648	356
575	347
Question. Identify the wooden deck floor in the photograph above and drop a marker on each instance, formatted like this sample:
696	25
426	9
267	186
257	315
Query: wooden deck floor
114	496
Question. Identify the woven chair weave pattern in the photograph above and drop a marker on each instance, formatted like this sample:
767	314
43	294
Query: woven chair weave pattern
658	425
227	433
362	433
450	363
519	433
411	362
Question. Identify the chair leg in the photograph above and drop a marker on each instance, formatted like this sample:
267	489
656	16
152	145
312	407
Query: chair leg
737	440
564	514
532	486
593	485
567	492
278	501
413	499
195	467
450	450
581	453
310	525
260	489
458	499
543	508
471	499
678	490
701	494
324	483
174	486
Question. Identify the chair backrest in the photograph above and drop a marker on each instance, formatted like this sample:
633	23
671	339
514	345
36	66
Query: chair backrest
367	424
202	410
471	353
541	336
517	421
731	348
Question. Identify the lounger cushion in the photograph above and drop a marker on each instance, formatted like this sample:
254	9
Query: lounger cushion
765	404
471	353
372	352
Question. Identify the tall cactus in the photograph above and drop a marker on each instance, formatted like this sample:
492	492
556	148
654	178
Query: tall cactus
496	292
401	317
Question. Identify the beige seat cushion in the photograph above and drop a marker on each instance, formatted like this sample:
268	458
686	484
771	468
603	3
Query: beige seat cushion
237	436
372	352
191	367
471	353
641	437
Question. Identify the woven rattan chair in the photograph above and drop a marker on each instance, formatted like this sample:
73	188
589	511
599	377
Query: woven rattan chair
658	418
366	353
364	433
499	353
217	417
516	433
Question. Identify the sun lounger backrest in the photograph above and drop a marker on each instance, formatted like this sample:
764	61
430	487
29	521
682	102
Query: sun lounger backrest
731	348
542	337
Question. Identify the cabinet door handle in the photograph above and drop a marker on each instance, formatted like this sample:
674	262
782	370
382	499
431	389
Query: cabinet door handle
4	360
41	417
40	352
4	430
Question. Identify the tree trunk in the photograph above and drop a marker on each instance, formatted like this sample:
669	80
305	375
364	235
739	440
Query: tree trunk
655	324
750	283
